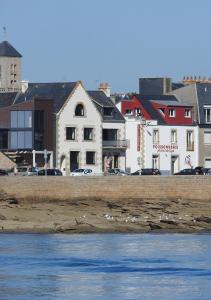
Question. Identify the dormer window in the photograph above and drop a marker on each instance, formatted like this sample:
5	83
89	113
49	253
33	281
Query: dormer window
187	113
207	114
79	110
172	113
128	112
107	111
138	112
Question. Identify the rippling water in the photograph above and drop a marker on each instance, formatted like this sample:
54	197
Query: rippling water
105	266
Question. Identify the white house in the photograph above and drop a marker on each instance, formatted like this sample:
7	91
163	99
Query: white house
90	132
168	148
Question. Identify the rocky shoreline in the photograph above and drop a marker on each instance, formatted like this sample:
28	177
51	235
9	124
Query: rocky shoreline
93	215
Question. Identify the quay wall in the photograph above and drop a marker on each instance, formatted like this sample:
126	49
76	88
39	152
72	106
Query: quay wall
112	187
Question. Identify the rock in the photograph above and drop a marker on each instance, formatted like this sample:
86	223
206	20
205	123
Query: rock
112	205
203	219
2	217
12	201
168	222
154	226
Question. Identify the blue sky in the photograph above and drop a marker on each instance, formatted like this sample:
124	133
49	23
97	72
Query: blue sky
114	41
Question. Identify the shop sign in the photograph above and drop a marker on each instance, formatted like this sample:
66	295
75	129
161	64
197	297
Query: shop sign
138	137
165	148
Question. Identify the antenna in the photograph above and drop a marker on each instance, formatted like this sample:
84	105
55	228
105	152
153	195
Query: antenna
5	32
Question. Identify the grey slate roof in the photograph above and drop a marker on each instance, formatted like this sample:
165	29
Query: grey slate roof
102	101
204	98
170	103
159	97
8	50
58	92
6	99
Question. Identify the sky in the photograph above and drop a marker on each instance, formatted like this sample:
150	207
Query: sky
114	41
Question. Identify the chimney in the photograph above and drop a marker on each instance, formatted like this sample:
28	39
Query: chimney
104	87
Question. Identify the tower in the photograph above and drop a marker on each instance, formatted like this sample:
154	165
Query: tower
10	68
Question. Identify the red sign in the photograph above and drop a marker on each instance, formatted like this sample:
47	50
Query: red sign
138	137
165	148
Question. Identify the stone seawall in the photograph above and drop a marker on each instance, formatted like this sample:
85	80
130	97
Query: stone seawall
151	187
105	204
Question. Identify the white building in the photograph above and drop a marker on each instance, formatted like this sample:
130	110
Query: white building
168	148
90	132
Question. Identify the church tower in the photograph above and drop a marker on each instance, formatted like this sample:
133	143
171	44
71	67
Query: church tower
10	68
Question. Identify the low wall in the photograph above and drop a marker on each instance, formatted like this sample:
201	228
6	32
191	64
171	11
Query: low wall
148	187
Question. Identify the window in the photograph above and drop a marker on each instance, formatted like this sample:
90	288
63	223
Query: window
190	140
21	140
70	133
88	134
108	111
173	136
172	113
21	119
110	134
207	114
138	112
128	112
155	161
187	113
79	110
90	157
155	136
207	137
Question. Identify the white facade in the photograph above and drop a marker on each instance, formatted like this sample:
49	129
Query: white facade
166	147
77	151
91	119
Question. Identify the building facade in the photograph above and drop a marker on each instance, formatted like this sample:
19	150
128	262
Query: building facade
198	95
162	134
10	68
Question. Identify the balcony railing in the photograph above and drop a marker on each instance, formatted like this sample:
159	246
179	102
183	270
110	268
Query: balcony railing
116	144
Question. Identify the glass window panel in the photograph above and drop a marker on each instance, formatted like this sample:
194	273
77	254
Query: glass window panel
28	119
90	157
14	140
88	134
28	139
21	139
20	119
14	119
70	133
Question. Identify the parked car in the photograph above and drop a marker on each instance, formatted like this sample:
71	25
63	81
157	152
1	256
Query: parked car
147	171
200	170
50	172
32	171
3	172
117	171
188	172
21	170
82	172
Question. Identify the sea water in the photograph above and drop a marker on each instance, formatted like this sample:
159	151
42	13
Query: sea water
105	266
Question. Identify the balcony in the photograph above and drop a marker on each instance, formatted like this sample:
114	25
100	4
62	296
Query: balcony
116	144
